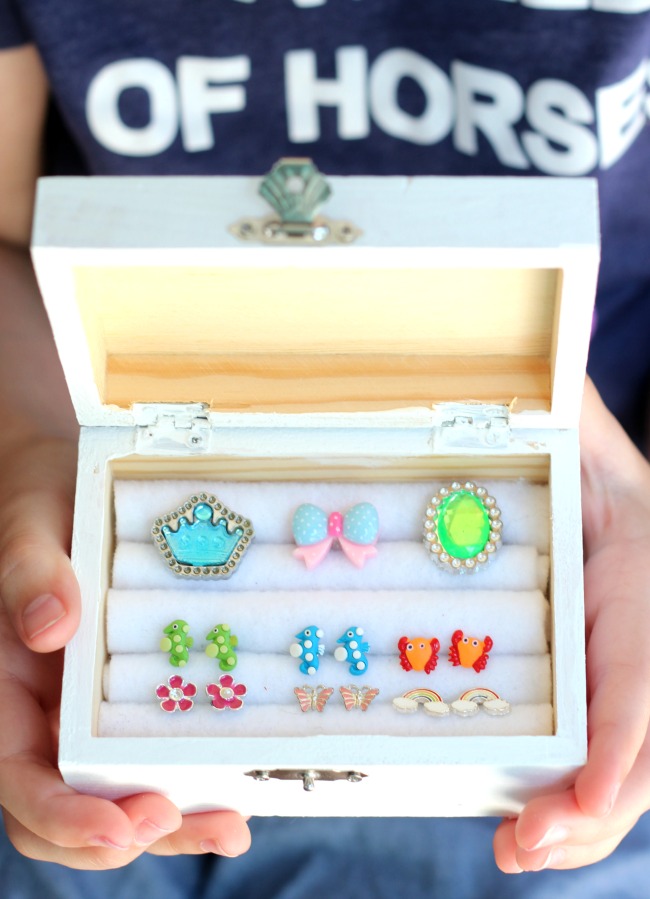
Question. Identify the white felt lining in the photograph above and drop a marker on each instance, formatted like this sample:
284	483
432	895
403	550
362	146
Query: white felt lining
137	618
118	719
270	506
272	597
524	679
272	566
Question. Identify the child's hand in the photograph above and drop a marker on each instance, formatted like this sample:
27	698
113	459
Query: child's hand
587	822
39	613
44	818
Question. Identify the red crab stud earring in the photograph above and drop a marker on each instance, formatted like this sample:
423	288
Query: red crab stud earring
418	653
470	652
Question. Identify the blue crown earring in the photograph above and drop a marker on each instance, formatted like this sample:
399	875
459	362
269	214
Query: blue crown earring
203	538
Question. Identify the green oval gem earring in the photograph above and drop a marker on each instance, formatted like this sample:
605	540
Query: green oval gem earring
462	526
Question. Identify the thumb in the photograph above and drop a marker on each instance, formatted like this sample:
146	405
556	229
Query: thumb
38	588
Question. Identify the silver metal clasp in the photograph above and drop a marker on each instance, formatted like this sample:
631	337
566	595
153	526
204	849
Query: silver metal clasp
296	190
171	427
472	425
308	777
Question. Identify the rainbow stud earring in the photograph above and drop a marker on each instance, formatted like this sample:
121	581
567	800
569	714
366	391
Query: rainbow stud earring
469	702
430	701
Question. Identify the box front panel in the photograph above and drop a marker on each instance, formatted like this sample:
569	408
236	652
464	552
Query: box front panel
273	597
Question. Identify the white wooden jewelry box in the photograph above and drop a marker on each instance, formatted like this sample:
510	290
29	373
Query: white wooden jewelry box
190	353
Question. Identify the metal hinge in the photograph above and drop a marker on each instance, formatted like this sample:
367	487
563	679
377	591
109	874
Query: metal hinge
471	425
171	427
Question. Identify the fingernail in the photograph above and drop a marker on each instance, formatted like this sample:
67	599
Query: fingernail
147	832
555	858
557	833
613	796
42	614
214	847
104	841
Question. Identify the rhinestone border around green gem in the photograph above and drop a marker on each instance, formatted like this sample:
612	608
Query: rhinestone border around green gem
431	536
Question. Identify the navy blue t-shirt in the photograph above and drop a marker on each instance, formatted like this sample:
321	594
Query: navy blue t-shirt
498	87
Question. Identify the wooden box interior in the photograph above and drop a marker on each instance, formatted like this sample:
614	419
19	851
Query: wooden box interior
283	339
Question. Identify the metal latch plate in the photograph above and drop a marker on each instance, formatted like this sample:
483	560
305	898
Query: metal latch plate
171	427
472	425
308	777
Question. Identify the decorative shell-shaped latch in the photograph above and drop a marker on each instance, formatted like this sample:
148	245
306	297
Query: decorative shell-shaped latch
296	190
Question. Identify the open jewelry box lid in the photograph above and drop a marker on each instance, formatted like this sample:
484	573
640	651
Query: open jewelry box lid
455	289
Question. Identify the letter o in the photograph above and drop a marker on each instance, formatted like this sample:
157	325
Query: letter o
103	113
435	121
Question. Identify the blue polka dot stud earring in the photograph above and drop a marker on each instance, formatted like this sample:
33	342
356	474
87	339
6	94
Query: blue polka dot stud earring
309	648
353	650
315	533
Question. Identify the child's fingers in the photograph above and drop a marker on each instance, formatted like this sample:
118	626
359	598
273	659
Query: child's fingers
87	858
562	858
153	817
37	585
616	518
46	808
222	833
48	820
100	857
557	822
31	788
512	859
619	683
504	846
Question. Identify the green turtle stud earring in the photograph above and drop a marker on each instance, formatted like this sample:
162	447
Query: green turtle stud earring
462	527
